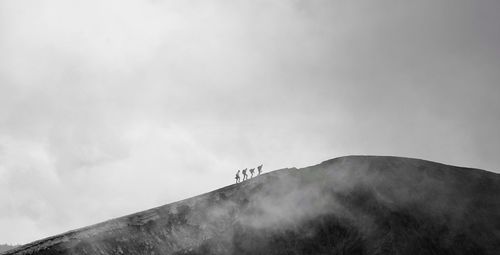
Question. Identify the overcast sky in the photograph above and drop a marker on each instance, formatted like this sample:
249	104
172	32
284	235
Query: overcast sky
111	107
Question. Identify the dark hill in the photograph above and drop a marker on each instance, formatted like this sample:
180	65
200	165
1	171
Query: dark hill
349	205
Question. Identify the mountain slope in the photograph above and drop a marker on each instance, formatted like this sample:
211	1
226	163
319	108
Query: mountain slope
348	205
6	247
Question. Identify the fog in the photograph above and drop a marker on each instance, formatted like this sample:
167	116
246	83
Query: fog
111	107
369	204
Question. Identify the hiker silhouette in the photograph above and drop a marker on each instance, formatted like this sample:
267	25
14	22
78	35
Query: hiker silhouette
245	176
251	172
259	168
237	176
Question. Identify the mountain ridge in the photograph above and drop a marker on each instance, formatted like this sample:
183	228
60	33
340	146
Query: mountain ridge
345	197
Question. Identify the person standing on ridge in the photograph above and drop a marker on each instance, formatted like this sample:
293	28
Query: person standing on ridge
245	176
251	172
259	168
237	176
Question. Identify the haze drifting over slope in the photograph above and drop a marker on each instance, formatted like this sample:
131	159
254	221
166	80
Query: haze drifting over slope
110	107
349	205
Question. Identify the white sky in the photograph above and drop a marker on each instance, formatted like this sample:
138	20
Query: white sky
111	107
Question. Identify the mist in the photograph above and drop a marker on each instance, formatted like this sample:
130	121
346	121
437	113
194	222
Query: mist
355	205
111	107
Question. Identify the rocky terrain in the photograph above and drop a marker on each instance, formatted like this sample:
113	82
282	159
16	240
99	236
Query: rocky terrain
348	205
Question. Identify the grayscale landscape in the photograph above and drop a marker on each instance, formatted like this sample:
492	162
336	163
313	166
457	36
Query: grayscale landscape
199	127
347	205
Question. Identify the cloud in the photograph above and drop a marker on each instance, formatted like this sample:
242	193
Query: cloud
122	105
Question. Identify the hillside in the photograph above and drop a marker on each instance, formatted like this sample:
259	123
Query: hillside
348	205
6	247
